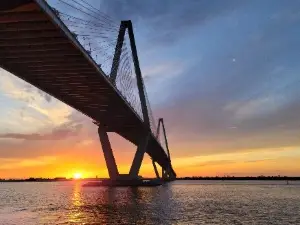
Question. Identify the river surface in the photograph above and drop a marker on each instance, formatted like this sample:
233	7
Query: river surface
180	202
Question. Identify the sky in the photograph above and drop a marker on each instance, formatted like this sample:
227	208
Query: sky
224	75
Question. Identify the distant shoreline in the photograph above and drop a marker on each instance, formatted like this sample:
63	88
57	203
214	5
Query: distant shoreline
269	178
241	178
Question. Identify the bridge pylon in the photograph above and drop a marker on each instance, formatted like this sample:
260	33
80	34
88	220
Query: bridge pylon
110	159
133	175
167	174
143	142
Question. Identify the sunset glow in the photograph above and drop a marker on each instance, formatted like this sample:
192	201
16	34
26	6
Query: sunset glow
77	176
224	80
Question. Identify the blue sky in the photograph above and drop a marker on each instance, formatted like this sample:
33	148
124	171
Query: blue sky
223	74
223	64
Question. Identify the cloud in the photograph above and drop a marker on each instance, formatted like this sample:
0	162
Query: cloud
166	21
14	88
24	163
59	133
248	156
18	89
52	112
255	107
164	70
71	127
85	143
47	139
56	114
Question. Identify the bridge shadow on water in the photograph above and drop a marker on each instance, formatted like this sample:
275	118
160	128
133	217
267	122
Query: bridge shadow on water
121	205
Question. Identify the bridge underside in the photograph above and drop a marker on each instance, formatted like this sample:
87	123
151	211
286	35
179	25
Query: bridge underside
38	48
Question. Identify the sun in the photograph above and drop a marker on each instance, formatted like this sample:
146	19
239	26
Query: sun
77	176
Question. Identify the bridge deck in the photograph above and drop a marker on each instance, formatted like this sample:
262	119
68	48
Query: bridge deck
38	48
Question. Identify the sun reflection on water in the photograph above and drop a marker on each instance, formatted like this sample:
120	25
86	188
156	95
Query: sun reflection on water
111	205
76	214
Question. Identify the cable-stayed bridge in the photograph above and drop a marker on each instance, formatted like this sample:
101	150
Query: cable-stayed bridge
83	58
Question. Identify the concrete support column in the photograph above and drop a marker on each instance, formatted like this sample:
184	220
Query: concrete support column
155	169
138	157
108	153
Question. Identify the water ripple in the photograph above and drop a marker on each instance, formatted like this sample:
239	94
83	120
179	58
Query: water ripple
175	203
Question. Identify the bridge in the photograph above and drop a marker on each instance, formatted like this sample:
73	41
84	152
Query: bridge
37	46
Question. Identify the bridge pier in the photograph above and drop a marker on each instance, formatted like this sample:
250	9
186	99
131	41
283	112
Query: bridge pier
108	153
155	169
167	175
110	161
138	157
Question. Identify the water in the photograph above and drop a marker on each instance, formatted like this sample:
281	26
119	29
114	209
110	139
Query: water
180	202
